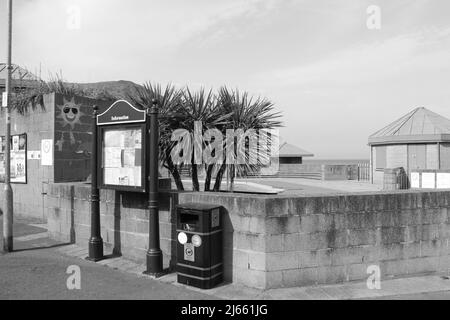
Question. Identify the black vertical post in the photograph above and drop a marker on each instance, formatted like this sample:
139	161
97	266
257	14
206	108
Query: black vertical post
96	241
154	253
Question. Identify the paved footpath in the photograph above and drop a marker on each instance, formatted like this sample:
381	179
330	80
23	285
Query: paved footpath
37	270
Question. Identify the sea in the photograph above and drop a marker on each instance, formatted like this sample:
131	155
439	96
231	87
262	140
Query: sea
336	161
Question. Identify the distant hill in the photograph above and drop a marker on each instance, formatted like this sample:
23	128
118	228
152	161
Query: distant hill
117	89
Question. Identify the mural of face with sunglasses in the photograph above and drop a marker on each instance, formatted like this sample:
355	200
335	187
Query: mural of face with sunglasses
70	113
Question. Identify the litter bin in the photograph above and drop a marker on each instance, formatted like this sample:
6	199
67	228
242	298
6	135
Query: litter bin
199	245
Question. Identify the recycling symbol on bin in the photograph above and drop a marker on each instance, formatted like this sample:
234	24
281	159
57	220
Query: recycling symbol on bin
189	252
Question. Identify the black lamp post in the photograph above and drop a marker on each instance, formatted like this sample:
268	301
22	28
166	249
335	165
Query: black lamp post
154	253
96	241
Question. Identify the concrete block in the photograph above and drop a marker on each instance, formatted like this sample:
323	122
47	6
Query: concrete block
257	225
274	243
394	268
282	225
423	265
250	241
432	248
274	279
411	250
357	271
444	231
142	226
361	220
240	259
292	242
336	238
331	274
444	264
357	237
316	240
393	251
256	260
277	261
429	232
308	259
353	255
391	235
389	219
250	278
299	277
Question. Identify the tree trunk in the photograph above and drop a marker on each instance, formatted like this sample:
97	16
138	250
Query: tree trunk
195	184
233	173
219	177
175	174
209	170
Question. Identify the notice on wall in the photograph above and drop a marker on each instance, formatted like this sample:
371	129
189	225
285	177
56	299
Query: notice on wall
443	180
122	151
415	180
34	155
428	180
18	156
47	152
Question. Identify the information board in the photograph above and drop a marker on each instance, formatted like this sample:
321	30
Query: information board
18	172
122	146
122	157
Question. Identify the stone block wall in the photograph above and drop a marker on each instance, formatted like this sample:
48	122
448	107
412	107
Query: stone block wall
279	241
123	216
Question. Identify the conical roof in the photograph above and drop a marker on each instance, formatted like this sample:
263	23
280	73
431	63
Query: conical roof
420	125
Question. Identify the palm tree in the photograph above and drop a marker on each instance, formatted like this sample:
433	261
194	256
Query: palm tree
253	116
182	109
171	117
201	107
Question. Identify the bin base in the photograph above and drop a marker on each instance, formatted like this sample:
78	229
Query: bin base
198	282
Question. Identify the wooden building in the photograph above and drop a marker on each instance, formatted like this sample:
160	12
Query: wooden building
418	140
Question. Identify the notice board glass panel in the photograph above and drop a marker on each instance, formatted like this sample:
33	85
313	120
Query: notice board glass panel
122	157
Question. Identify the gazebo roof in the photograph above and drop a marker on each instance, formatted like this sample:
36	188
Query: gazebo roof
419	126
289	150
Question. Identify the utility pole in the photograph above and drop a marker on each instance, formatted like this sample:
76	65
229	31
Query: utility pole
8	209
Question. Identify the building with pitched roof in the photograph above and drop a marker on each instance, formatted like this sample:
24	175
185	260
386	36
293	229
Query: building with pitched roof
417	141
291	154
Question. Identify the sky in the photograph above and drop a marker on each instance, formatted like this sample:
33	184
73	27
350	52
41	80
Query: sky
334	77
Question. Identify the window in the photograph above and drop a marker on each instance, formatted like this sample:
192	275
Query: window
380	160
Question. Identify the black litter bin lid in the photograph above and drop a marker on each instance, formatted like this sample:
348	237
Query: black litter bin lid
198	206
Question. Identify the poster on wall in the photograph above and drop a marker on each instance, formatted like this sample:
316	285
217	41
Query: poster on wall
415	180
443	180
122	157
18	145
428	180
47	152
